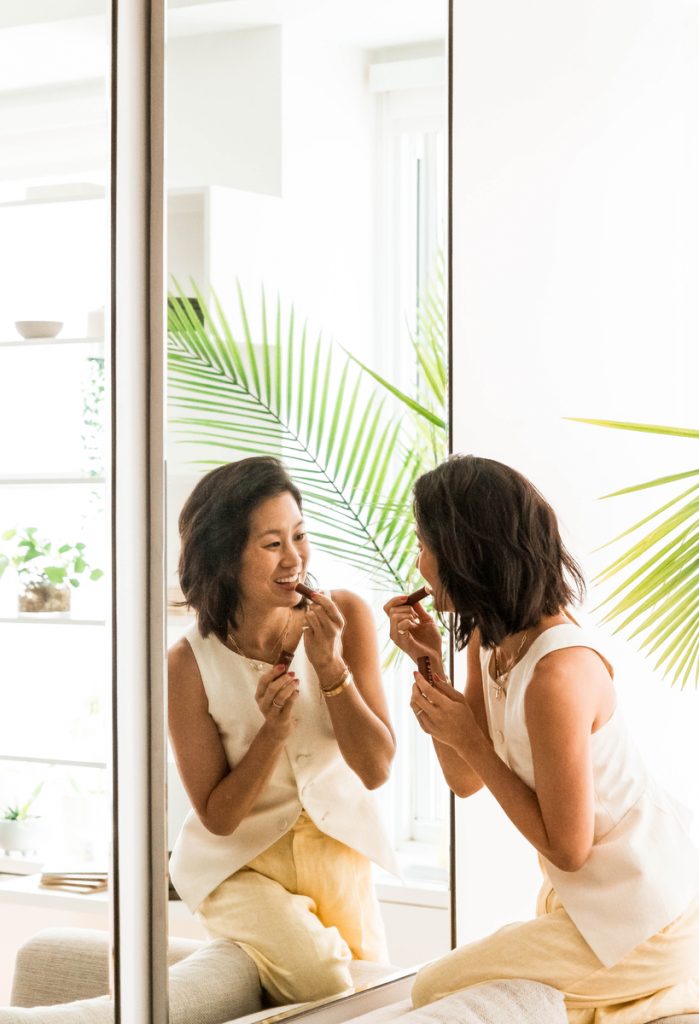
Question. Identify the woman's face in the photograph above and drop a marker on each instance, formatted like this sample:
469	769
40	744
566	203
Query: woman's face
429	570
276	555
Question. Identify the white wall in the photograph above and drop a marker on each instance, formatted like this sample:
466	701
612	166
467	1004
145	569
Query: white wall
328	184
288	112
224	110
576	257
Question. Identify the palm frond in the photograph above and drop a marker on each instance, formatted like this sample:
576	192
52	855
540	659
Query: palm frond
274	391
658	600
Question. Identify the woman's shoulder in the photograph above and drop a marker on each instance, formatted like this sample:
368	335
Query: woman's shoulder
569	670
180	655
350	603
564	647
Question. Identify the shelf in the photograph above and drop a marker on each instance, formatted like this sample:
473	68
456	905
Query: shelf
34	342
25	890
60	762
49	619
21	481
67	193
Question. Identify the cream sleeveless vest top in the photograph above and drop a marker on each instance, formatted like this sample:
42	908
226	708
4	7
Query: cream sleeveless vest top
643	869
311	774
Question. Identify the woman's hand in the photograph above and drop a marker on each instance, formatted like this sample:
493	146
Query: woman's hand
414	631
276	693
323	638
444	713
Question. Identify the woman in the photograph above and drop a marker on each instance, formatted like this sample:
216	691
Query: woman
618	924
276	760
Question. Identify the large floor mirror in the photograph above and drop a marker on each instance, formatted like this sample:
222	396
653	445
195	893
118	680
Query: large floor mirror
306	232
55	805
307	227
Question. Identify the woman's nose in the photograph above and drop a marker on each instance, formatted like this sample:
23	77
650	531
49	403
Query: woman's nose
288	555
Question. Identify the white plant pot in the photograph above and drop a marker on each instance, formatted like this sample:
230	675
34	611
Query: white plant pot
21	836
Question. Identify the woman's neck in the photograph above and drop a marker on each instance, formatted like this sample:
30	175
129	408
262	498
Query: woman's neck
515	642
262	632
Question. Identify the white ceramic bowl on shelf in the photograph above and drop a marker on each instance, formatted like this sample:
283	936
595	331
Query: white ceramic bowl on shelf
39	328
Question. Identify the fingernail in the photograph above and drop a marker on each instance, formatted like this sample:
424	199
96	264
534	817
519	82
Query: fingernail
280	666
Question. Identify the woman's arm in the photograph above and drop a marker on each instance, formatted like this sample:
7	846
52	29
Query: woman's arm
223	796
458	773
414	632
562	705
359	713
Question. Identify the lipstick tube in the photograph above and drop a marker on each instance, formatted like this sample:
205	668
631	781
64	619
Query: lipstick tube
418	595
424	667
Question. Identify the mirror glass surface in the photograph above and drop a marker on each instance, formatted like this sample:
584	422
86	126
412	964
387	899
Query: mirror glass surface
307	223
54	550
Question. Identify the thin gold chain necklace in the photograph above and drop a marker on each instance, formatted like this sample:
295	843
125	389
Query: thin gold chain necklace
502	675
256	662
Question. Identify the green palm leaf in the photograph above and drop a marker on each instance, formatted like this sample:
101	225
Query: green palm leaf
271	392
659	598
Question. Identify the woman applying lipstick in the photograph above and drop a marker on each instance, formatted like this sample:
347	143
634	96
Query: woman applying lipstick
617	926
277	759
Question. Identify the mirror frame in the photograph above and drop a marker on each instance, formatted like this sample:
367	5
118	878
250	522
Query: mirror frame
137	322
136	492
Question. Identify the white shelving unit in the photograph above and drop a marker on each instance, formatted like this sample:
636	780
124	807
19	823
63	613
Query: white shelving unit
24	481
45	484
94	343
48	619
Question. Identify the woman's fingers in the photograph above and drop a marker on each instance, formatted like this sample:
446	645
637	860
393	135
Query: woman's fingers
422	615
317	622
277	691
420	705
405	620
328	607
402	620
447	690
282	697
285	711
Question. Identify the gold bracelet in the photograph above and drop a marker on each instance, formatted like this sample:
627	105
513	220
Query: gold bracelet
345	680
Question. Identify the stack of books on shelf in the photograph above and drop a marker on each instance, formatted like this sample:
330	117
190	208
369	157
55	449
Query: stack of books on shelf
78	882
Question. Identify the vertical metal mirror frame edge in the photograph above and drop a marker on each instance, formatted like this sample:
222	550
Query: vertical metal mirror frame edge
450	410
139	849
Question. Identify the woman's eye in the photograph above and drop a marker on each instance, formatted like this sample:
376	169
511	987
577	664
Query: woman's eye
274	544
300	536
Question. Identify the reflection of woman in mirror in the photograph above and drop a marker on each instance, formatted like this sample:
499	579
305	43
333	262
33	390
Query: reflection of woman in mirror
277	761
618	915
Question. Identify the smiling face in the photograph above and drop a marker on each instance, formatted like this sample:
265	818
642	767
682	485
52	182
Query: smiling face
276	554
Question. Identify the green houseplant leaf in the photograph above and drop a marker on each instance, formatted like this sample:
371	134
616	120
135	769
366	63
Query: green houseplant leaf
279	392
658	596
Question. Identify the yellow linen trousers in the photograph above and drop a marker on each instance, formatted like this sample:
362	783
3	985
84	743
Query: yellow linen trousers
658	978
301	910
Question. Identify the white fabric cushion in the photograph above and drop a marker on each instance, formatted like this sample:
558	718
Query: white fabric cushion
215	984
61	965
495	1002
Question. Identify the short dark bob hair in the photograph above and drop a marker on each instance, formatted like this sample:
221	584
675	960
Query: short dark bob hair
499	552
214	528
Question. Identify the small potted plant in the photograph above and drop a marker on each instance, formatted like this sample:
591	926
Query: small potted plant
46	571
20	831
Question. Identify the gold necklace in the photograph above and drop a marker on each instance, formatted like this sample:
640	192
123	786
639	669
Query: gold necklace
502	676
256	663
